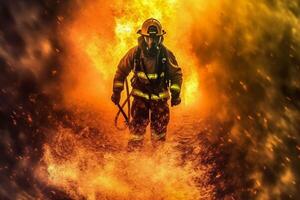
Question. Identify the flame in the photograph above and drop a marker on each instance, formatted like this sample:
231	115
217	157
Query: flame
191	94
83	171
98	37
102	33
251	81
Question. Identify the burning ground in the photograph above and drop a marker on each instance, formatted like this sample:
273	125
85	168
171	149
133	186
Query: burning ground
235	135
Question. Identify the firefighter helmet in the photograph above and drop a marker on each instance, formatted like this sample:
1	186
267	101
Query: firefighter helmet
151	27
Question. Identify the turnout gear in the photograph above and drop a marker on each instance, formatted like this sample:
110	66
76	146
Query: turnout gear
175	100
156	72
159	117
115	97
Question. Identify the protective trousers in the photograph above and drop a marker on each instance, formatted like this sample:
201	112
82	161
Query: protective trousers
159	114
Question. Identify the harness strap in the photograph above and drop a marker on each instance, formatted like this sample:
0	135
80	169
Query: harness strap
161	67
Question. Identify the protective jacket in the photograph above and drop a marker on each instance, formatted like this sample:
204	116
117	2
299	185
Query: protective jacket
153	74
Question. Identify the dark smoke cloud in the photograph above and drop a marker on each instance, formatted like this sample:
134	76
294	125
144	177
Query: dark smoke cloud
30	69
254	55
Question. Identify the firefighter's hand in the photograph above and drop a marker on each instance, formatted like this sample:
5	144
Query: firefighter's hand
115	97
175	100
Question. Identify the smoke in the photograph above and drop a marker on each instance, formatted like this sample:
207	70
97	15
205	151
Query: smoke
241	57
251	66
30	93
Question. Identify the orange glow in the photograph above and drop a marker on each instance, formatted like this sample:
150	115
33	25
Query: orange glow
191	89
85	172
103	32
99	35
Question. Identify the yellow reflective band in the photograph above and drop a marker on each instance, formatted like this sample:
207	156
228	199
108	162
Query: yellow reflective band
140	93
161	95
175	87
157	136
154	97
137	137
118	84
150	76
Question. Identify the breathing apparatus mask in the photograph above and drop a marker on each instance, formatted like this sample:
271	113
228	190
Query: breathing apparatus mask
152	43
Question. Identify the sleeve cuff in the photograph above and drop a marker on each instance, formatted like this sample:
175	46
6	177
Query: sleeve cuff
175	88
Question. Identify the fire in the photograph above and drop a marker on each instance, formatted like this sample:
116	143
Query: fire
240	60
98	37
93	174
99	41
191	90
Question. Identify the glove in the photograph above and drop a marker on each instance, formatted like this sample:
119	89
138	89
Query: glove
115	97
175	100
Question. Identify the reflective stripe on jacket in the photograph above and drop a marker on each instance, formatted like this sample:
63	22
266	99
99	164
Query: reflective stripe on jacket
126	65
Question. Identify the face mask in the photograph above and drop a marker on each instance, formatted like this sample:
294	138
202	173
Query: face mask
152	43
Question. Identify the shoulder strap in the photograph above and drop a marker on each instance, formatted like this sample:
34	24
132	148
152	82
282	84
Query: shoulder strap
137	58
163	59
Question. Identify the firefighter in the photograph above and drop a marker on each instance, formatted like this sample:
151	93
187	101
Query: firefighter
156	71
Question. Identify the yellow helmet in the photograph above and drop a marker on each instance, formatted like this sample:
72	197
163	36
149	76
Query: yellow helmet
151	27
